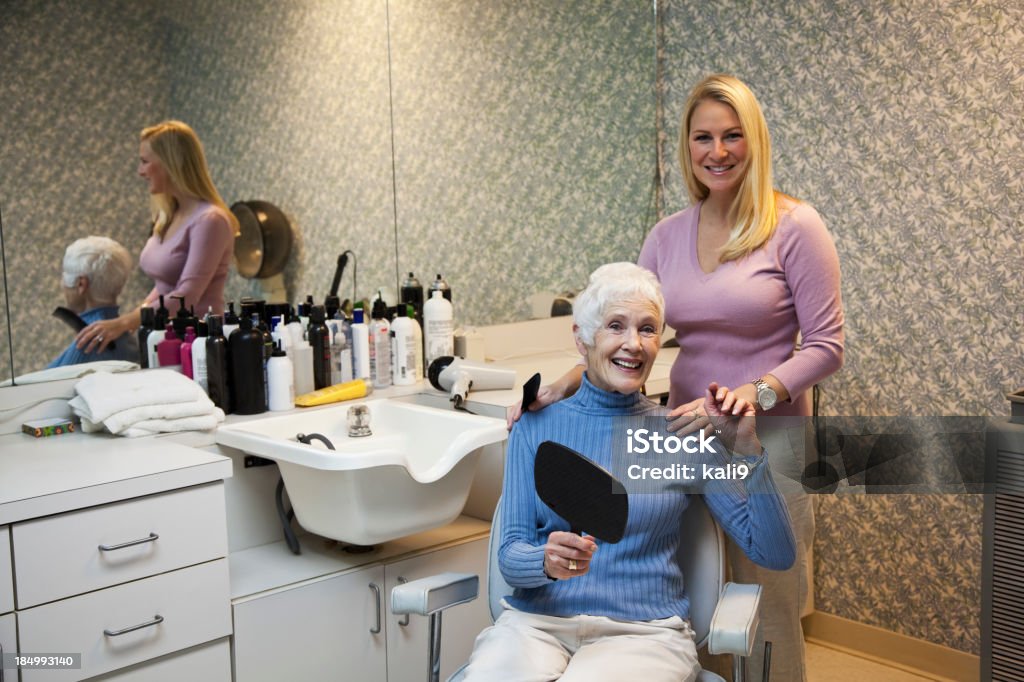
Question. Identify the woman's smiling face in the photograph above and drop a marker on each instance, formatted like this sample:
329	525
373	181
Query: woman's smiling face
624	346
718	147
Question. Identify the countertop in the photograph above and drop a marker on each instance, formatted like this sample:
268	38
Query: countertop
43	476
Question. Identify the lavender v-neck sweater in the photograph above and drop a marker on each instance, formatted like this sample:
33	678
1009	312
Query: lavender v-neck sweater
741	321
637	578
193	262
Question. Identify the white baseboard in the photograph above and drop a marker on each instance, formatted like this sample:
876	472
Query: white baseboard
914	655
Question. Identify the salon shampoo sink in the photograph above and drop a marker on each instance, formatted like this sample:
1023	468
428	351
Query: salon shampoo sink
412	474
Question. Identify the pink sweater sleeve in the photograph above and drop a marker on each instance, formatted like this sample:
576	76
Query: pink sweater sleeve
811	267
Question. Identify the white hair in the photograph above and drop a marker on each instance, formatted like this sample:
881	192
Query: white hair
103	261
610	284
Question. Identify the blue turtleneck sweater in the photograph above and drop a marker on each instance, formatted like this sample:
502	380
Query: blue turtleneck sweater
637	578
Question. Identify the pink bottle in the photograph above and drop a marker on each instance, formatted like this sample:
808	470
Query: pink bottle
168	351
186	351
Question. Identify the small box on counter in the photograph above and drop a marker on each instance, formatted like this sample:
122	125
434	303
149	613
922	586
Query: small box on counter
48	427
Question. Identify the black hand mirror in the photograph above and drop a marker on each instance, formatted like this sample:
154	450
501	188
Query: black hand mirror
585	494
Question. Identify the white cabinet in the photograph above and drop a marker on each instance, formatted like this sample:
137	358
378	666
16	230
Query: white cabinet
339	627
6	577
407	644
8	645
330	629
126	583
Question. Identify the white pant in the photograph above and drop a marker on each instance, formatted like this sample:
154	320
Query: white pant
526	647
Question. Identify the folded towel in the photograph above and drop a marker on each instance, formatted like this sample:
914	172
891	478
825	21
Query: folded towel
149	427
119	421
143	403
103	394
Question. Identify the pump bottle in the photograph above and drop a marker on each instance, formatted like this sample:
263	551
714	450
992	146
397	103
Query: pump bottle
246	357
168	351
186	351
280	381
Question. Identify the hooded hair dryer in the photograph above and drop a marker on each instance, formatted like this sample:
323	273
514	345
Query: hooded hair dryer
457	376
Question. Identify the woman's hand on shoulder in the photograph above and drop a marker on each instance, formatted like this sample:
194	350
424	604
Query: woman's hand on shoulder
95	337
546	395
568	555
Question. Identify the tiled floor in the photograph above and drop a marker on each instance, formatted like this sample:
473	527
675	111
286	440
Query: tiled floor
829	665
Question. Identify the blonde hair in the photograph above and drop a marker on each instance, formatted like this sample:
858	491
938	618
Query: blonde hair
178	149
754	211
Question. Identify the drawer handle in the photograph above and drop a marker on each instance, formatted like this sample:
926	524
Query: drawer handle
375	630
116	633
130	543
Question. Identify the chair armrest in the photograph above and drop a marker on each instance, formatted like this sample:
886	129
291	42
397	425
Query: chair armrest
734	625
435	593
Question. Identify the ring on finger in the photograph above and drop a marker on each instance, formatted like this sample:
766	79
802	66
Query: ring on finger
572	564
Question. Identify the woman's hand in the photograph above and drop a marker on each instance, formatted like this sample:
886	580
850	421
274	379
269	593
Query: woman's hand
733	420
560	389
95	338
546	395
568	555
689	418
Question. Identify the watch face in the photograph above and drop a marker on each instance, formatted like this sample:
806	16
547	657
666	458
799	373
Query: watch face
766	398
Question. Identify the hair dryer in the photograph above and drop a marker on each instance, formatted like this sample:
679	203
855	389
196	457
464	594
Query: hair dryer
457	376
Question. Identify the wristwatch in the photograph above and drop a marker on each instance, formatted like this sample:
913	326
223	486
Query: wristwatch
766	396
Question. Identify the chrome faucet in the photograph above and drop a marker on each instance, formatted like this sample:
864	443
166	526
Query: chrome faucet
359	421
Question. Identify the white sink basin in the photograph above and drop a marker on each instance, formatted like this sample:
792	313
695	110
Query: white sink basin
412	474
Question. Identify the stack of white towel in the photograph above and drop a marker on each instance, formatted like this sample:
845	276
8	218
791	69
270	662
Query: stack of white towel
143	403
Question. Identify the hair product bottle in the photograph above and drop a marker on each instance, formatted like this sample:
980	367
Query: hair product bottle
168	351
438	330
145	329
380	345
320	339
418	332
199	369
246	357
217	363
280	381
360	346
186	351
403	349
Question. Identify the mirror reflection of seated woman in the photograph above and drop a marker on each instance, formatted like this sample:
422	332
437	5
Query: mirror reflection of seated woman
583	611
193	232
95	270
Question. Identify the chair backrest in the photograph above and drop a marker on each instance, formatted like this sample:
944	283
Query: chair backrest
701	556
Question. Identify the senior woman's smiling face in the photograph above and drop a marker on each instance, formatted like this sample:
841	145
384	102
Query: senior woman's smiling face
624	346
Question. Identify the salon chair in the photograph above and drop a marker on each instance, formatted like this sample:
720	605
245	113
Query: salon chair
724	616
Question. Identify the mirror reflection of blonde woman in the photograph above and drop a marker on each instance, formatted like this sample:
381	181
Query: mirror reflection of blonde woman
193	236
746	270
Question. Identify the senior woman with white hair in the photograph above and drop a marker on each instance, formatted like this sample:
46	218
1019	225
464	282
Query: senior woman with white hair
95	270
583	613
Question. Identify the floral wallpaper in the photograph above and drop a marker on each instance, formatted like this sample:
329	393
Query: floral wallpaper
536	139
900	122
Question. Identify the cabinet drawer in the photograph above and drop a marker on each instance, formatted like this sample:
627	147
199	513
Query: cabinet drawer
207	663
60	556
8	643
6	581
193	603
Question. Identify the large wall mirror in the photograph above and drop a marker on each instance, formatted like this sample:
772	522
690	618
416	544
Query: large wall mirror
510	146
